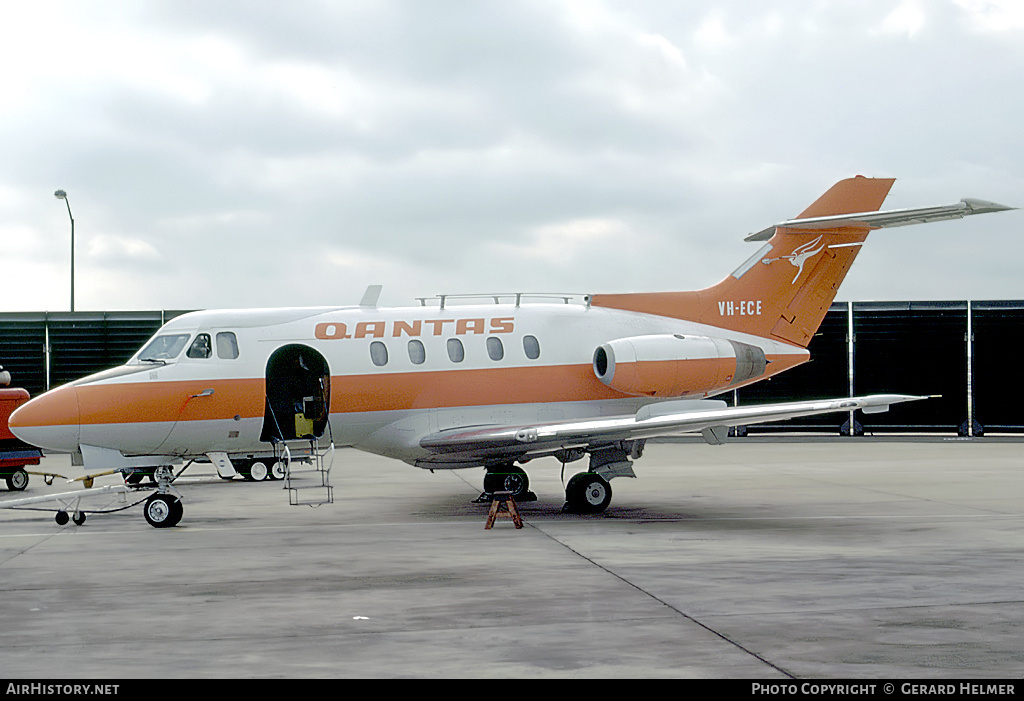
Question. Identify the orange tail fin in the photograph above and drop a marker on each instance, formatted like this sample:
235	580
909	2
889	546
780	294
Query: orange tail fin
785	289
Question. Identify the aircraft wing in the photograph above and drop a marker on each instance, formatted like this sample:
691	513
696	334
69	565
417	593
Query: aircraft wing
709	417
881	220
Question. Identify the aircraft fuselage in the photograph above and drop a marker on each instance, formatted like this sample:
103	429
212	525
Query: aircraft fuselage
395	375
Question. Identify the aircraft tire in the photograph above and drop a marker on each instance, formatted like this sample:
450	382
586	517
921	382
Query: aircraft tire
506	478
258	472
588	493
61	517
17	481
277	470
163	510
79	518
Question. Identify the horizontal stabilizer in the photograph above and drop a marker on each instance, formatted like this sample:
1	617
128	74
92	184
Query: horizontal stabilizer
882	220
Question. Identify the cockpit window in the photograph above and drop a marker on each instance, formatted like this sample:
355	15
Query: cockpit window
200	347
227	346
164	347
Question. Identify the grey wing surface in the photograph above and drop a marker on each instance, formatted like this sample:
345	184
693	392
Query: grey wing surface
501	443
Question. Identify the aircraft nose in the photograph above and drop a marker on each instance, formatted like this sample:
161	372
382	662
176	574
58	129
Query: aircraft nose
50	421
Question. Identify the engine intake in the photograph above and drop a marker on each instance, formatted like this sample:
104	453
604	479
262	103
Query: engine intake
673	365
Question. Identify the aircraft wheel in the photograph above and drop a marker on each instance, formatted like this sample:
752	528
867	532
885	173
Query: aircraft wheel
506	478
588	493
79	518
61	517
258	472
17	481
277	470
163	510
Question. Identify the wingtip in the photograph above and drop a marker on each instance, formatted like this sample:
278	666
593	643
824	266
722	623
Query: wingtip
976	206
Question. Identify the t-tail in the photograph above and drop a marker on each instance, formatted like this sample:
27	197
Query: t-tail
785	289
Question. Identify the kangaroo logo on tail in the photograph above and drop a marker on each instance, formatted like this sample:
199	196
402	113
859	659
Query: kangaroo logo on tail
799	256
828	234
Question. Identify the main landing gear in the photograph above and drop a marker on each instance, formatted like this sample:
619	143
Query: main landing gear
506	478
588	492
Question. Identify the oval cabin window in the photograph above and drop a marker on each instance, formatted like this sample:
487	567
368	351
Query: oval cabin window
417	353
379	353
531	346
495	351
455	350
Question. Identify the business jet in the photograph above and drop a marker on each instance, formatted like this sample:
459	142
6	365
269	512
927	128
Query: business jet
455	383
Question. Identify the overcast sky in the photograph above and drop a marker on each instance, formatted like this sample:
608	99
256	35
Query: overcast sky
258	153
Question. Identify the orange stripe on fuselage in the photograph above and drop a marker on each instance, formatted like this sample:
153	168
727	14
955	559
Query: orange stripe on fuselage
140	402
134	402
452	388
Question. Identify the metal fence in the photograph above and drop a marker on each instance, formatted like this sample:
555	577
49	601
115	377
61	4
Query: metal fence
961	353
47	349
964	352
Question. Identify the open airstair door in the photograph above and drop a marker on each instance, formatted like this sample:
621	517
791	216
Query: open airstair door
298	395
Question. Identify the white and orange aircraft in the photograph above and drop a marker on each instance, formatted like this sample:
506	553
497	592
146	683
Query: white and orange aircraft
449	385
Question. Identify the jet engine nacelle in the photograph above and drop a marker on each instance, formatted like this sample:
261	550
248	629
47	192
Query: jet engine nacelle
672	365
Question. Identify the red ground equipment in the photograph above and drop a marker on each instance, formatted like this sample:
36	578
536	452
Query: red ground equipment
14	453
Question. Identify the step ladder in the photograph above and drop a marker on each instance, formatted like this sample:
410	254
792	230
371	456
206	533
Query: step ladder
307	472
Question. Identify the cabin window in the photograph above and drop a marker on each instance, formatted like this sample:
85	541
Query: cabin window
200	347
227	345
455	350
417	354
495	351
531	346
379	353
164	347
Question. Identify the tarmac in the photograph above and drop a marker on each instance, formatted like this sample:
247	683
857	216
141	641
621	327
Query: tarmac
849	558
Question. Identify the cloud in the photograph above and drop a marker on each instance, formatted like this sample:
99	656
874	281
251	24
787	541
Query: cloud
907	18
106	249
994	16
209	149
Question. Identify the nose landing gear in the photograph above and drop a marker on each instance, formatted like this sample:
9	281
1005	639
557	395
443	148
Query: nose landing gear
163	510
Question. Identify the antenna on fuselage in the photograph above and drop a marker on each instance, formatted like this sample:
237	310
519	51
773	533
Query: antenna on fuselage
371	296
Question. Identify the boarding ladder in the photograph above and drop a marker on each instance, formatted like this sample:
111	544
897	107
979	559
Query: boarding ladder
307	471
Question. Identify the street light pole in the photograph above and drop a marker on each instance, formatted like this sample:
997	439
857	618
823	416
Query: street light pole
61	195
